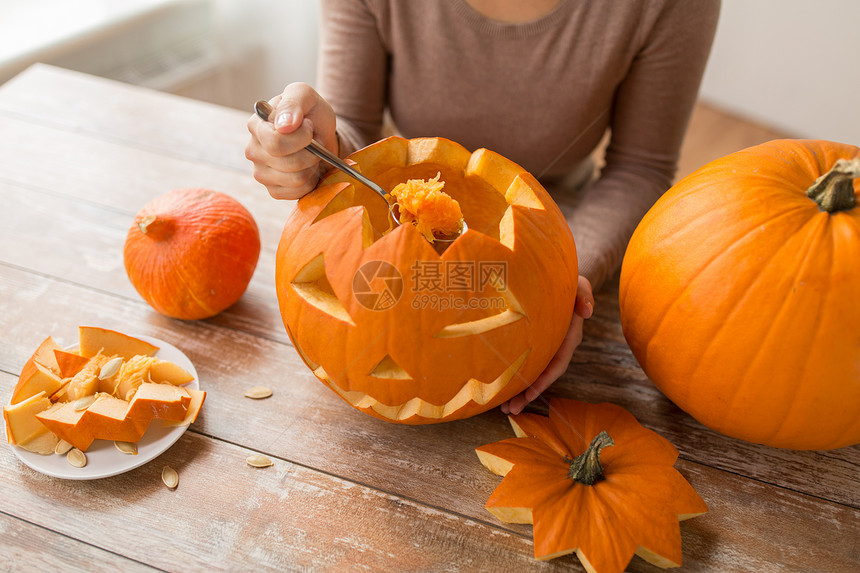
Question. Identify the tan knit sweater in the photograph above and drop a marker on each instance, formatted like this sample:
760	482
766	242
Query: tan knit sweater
542	93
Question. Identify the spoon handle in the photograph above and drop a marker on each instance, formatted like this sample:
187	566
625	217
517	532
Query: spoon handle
264	111
317	149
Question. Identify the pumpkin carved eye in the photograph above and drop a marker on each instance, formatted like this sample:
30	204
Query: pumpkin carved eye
511	312
312	285
416	333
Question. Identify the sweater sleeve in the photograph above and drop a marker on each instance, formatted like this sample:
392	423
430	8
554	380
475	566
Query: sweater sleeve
353	69
650	114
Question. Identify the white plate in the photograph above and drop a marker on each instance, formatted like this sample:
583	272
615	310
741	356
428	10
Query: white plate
103	459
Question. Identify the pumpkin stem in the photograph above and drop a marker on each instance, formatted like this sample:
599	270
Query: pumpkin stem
586	468
154	227
834	191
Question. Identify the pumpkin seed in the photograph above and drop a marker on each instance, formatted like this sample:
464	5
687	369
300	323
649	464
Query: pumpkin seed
62	447
76	458
170	477
129	448
258	393
110	368
84	402
258	461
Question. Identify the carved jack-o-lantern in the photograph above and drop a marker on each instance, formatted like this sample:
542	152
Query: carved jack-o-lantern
403	332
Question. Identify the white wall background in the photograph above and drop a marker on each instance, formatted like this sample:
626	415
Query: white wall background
789	64
268	44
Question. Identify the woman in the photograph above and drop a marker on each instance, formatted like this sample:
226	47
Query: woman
540	82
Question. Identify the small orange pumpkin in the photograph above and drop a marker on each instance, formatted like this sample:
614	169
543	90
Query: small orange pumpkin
593	481
739	294
192	252
403	332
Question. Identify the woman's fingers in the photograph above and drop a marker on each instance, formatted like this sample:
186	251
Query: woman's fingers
300	103
584	305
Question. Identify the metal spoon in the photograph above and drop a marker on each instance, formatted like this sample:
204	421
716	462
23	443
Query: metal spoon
264	111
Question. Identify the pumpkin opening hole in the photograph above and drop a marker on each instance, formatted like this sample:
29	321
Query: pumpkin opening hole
482	205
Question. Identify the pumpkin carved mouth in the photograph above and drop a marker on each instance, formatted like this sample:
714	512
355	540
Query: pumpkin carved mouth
473	392
471	325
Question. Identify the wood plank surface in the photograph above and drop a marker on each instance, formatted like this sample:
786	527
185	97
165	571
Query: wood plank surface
227	515
181	125
419	464
23	548
347	492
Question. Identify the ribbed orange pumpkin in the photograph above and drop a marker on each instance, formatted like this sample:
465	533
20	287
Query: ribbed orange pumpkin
404	333
190	253
593	481
739	294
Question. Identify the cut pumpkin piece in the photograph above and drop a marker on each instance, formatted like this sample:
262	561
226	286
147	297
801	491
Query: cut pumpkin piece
43	443
69	363
86	381
44	356
108	419
94	340
163	401
147	369
197	399
64	421
161	371
20	418
34	379
132	374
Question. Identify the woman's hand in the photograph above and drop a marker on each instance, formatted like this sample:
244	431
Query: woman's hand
582	309
277	148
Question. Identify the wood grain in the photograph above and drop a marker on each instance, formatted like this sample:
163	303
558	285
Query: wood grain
347	492
70	101
29	547
226	515
419	464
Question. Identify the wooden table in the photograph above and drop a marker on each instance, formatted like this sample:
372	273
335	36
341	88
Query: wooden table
79	156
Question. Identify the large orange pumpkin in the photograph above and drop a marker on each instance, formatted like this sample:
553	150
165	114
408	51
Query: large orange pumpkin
739	294
191	253
403	332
